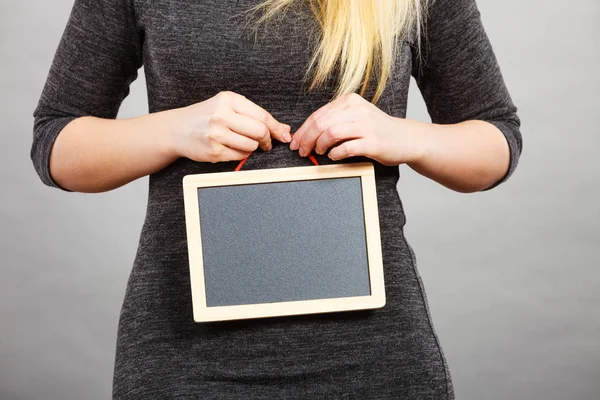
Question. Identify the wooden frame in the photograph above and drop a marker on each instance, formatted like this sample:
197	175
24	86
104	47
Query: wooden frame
364	170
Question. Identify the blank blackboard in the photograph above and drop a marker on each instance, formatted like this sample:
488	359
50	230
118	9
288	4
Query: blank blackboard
303	237
283	241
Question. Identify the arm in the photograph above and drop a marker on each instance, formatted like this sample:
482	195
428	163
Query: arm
98	57
96	155
474	141
466	157
78	144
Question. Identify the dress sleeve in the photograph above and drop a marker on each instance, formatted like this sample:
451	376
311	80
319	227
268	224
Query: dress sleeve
97	58
458	74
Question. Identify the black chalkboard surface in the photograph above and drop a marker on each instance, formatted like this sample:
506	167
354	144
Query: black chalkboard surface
283	241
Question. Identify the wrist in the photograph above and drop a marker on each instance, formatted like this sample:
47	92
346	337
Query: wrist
158	128
415	140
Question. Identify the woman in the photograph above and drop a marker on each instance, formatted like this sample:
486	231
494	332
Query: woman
216	94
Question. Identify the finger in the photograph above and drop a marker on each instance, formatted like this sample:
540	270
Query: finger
242	105
237	141
337	133
229	154
326	109
312	133
250	127
338	104
351	148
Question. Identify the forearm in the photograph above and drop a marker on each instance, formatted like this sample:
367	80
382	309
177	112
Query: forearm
97	155
466	157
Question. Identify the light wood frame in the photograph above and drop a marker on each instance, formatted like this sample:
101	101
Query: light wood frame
364	170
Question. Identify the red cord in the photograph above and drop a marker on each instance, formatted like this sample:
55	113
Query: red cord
313	159
241	163
239	166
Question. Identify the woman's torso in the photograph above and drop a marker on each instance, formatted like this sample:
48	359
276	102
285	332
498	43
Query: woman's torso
193	50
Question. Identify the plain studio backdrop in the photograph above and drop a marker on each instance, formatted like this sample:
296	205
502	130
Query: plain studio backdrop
512	275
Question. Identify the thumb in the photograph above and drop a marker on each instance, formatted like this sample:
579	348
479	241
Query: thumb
283	133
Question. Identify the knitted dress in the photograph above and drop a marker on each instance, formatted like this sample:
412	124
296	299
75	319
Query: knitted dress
191	50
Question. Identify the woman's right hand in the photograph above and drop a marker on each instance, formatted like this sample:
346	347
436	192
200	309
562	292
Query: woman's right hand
225	127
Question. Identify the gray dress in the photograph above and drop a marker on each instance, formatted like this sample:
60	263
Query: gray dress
191	50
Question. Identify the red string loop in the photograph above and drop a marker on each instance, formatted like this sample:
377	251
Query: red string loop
239	166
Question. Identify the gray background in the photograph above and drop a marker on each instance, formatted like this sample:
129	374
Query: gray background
512	275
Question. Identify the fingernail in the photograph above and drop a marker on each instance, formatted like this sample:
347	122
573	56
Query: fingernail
302	152
287	137
294	145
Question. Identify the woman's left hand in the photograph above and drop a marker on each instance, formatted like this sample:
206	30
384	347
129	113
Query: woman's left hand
356	127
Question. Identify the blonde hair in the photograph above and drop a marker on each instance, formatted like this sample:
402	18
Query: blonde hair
359	36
